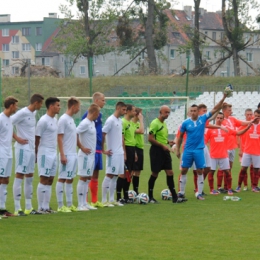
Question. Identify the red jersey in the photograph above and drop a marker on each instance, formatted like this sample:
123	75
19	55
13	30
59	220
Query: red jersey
218	142
231	123
252	143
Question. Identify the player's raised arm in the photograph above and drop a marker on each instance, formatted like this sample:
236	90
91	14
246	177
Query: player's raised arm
218	105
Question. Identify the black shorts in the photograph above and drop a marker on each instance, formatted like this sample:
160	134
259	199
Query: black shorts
160	159
138	166
130	157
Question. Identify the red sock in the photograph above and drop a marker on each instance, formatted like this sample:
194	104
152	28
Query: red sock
93	186
195	178
220	178
229	181
240	178
251	175
211	181
226	177
245	179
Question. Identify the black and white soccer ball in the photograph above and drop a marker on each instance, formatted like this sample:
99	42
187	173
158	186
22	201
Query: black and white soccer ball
132	195
166	194
142	198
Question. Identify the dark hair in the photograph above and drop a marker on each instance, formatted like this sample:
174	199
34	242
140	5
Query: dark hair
202	106
258	105
10	101
257	111
138	110
51	101
72	101
129	107
220	113
120	104
36	98
194	105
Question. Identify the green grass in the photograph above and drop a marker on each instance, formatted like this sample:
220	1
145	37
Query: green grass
210	229
133	85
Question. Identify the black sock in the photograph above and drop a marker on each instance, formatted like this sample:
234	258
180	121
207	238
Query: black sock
151	186
126	189
119	187
136	183
170	183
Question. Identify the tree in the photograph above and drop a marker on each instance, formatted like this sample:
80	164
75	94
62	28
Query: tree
154	23
89	34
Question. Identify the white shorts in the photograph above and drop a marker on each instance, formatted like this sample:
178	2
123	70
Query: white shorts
5	167
231	155
115	164
68	170
223	164
47	164
248	159
86	165
24	161
206	157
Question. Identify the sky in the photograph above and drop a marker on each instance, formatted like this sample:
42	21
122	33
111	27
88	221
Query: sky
35	10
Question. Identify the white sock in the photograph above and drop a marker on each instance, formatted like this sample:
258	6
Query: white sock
105	187
17	193
112	188
28	192
47	197
41	189
200	182
183	181
86	191
59	193
2	196
69	193
5	193
80	193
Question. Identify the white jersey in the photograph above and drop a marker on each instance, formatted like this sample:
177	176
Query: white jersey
67	127
113	130
87	134
47	129
6	136
25	122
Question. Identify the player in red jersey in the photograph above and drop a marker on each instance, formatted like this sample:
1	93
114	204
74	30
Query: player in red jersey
218	139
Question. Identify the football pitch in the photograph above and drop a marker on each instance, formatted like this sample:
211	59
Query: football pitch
210	229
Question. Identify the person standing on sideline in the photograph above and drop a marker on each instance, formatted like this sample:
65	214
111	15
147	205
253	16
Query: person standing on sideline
87	142
24	122
194	127
128	132
46	153
6	154
112	134
67	142
98	99
160	158
138	124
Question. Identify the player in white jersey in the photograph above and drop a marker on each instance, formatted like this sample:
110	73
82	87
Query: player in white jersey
87	140
46	153
6	135
67	142
112	133
24	122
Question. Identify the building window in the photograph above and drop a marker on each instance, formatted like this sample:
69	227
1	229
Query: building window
46	61
94	60
142	55
82	70
15	54
26	46
15	39
5	32
222	36
5	47
249	56
206	32
38	30
26	31
15	70
176	17
28	61
176	34
172	54
214	35
38	46
208	55
5	63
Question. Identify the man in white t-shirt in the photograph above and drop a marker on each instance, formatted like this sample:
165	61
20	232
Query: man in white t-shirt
112	132
67	142
6	155
46	153
24	122
87	140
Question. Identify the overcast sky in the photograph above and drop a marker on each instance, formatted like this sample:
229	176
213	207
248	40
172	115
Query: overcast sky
35	10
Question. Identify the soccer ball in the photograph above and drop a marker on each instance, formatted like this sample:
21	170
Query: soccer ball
166	194
142	198
132	195
228	90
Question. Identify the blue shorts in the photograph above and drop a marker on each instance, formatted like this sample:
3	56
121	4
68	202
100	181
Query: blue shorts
98	161
196	156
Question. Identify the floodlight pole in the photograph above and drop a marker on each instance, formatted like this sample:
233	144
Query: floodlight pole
90	76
